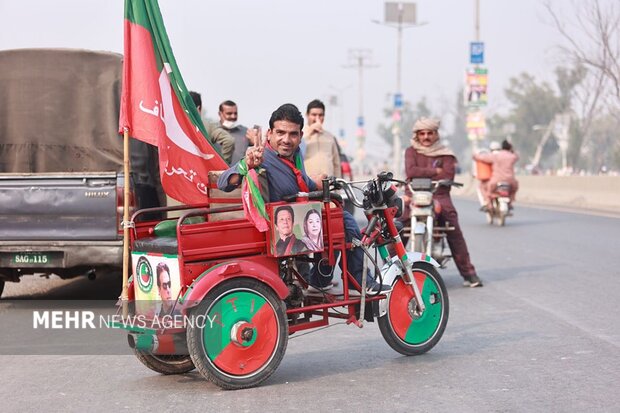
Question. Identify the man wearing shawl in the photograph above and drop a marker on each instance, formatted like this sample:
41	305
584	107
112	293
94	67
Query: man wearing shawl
428	158
286	175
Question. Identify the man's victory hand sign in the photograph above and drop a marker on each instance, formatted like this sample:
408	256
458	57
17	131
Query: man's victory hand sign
254	154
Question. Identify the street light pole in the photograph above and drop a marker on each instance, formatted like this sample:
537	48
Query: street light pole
398	15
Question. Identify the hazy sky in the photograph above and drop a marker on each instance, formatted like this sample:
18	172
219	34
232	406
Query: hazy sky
262	53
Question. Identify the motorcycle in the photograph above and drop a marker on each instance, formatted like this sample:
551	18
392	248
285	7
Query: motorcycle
427	236
500	204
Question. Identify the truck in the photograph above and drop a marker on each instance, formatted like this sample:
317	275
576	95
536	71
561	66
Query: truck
61	162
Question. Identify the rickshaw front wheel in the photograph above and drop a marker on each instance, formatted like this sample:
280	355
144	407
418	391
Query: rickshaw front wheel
164	364
402	327
238	334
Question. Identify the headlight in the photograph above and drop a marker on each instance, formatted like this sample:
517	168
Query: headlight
422	198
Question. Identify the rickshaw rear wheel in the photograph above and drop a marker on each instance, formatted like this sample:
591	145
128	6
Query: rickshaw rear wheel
240	334
402	328
164	364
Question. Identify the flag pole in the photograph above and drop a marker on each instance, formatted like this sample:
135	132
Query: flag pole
124	291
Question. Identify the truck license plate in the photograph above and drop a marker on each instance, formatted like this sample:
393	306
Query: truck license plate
36	259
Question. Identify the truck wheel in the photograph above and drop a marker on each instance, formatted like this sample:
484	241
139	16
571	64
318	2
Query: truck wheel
412	334
240	334
173	364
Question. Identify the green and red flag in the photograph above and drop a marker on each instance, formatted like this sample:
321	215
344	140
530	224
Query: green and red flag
157	109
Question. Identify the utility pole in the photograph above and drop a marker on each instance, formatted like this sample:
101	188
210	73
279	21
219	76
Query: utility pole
398	15
340	94
360	59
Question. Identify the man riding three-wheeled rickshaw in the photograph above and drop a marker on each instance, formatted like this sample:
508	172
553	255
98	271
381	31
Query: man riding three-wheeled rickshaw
216	290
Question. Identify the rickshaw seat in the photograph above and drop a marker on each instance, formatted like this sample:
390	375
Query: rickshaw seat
162	245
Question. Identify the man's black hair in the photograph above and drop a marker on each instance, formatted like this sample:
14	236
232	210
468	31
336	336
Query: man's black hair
506	145
284	208
315	104
196	98
161	267
226	103
288	112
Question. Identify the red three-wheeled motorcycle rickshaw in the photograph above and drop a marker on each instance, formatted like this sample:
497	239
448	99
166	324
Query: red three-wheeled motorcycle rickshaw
210	291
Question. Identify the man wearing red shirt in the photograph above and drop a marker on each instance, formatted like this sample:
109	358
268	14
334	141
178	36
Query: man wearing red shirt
428	158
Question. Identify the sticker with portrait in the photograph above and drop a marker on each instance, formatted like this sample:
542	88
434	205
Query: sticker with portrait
296	229
157	283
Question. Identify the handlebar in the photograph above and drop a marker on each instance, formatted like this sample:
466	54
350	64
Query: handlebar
426	184
312	196
447	182
382	177
333	183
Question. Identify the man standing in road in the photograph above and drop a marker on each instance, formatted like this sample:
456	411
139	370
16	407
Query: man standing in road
321	152
428	158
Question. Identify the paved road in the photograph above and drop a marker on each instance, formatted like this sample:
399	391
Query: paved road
542	335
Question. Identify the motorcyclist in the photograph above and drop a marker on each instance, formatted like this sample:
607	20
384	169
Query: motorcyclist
428	158
502	160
